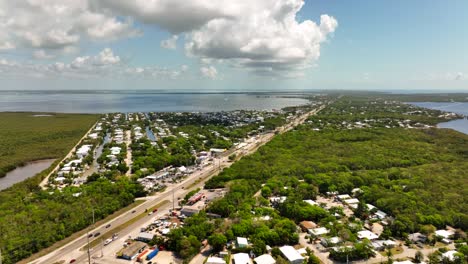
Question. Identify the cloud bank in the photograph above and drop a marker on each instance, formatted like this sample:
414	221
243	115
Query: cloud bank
262	36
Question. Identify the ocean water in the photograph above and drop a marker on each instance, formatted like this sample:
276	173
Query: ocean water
460	125
141	101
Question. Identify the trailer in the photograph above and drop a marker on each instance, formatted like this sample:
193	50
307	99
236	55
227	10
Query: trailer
140	257
152	254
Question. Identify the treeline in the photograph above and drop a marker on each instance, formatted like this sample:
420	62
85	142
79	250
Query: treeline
25	137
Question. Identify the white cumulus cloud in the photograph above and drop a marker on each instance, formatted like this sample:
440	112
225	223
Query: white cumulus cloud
57	24
104	64
262	35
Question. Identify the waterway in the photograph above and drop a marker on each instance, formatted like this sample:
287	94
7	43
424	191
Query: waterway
142	101
150	134
460	125
22	173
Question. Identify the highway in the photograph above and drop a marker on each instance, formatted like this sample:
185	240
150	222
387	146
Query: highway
197	179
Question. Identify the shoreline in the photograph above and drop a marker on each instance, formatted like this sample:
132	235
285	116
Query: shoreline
24	172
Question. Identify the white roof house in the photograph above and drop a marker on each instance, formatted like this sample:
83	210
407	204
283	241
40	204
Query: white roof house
367	234
265	259
83	150
444	233
72	162
318	231
381	215
291	255
115	150
60	179
351	201
311	202
370	207
343	197
93	135
450	255
242	242
242	258
215	260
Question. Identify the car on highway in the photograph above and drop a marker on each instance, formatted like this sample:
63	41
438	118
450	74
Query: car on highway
90	235
72	261
108	225
97	234
134	211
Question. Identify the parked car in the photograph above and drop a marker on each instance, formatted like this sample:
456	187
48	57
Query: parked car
97	234
134	211
72	261
90	235
108	225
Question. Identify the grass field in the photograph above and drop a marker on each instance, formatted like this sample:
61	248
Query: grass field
27	137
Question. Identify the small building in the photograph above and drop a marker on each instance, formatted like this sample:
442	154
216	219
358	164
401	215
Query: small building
189	211
144	237
330	242
417	237
215	260
366	234
444	233
241	242
381	215
241	258
264	259
381	245
343	197
306	225
291	255
132	250
311	202
450	255
318	231
351	201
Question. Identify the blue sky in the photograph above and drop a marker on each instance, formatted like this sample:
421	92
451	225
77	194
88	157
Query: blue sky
257	45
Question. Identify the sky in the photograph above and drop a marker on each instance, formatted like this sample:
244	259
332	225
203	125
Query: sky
225	45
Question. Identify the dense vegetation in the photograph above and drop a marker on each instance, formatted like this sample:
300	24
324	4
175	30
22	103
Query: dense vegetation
31	221
25	137
400	170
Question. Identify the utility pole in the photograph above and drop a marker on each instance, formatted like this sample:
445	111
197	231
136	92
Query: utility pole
87	237
173	200
102	245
